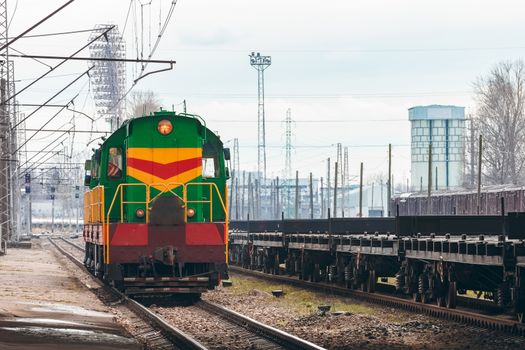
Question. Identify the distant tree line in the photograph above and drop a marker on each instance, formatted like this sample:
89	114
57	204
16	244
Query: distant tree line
500	119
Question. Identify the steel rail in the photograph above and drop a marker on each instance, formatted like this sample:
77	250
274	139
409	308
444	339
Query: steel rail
275	335
462	316
175	335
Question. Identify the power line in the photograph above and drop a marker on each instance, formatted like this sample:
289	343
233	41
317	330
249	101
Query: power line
8	43
56	33
68	131
321	121
103	59
49	100
55	67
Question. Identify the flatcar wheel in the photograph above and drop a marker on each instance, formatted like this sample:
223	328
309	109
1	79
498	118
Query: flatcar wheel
425	299
440	301
316	275
451	295
371	281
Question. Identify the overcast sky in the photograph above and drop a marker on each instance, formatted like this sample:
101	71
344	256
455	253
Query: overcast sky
349	70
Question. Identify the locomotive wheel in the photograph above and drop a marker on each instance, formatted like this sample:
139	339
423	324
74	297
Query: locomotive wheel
371	281
416	297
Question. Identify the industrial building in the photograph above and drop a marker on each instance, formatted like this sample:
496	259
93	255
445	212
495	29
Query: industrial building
442	127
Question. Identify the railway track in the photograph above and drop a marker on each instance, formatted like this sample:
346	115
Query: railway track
238	326
459	315
155	332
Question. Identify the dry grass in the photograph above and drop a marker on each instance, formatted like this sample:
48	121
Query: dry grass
303	301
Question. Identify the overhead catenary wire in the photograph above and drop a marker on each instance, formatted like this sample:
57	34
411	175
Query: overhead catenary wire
42	127
157	42
58	65
51	98
45	149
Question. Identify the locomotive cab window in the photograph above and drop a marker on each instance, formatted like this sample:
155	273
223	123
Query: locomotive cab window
208	167
114	169
210	161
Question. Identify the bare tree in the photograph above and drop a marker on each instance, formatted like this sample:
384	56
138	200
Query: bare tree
143	103
500	119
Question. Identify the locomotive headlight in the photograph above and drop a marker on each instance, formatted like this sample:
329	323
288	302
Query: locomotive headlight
165	127
191	212
140	213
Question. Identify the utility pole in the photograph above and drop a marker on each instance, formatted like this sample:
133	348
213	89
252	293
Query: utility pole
237	198
338	172
243	193
328	184
472	151
335	190
322	199
436	178
372	204
277	200
311	198
260	63
361	191
297	194
249	211
480	150
429	205
388	190
52	209
6	190
382	203
345	182
5	217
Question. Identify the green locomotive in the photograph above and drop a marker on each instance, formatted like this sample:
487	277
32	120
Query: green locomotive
155	214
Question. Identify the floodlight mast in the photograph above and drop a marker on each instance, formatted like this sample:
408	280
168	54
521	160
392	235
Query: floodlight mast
109	76
260	63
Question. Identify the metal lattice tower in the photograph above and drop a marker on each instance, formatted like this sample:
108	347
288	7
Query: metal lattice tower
287	176
237	171
288	145
109	78
260	63
8	178
236	164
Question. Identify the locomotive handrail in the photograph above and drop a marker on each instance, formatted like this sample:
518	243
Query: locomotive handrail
210	201
119	193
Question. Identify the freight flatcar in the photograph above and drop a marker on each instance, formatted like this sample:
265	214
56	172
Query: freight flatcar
493	200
